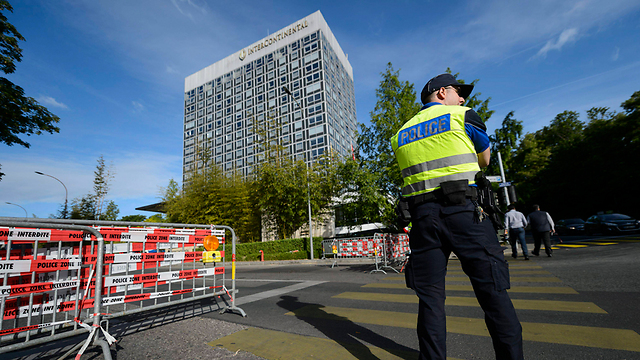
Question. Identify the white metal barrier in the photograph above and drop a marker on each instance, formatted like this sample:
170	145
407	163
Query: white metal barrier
143	266
388	250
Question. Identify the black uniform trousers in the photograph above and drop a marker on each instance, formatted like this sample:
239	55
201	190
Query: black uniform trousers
437	231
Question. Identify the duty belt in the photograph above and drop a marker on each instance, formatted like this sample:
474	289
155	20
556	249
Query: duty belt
437	195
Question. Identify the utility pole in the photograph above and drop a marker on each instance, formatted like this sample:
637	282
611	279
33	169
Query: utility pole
504	180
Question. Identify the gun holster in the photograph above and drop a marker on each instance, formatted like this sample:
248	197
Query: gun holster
402	213
455	192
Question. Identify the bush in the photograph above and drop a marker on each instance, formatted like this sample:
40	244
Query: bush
278	249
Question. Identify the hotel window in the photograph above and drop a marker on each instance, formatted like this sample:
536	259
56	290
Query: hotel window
312	67
316	130
315	120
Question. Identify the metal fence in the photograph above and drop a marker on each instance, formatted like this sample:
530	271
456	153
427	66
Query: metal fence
387	250
50	269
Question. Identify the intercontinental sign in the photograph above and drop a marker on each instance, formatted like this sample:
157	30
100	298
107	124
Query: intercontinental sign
273	39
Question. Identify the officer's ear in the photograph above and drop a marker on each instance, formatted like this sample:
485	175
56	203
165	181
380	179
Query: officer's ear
441	94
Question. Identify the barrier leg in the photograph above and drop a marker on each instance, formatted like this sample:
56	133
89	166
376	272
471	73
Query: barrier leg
377	269
72	350
105	348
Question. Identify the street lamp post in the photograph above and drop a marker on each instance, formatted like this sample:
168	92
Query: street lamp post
25	210
65	211
308	190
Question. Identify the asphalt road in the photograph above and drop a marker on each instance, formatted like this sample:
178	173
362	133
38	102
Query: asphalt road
582	303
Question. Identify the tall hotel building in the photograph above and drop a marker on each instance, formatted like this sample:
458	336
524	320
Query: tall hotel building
228	103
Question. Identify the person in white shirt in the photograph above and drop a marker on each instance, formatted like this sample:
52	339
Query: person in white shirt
514	224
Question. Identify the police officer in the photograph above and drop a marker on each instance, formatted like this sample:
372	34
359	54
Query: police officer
440	151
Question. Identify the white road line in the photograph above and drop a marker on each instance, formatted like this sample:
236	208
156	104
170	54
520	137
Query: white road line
276	292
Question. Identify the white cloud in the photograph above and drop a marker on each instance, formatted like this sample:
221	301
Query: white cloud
567	36
137	107
179	5
616	54
171	70
49	101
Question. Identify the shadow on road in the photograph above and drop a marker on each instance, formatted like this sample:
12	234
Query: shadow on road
343	331
120	327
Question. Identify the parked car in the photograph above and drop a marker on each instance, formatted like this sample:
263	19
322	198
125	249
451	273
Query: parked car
570	226
611	224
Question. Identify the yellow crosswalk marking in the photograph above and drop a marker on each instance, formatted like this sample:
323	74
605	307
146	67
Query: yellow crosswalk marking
570	246
512	266
596	243
270	344
513	278
514	289
596	337
544	305
623	240
512	271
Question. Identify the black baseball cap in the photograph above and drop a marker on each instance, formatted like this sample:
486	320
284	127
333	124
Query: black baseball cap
444	80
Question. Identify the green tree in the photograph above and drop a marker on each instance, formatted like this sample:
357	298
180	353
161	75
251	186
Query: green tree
133	218
19	114
212	197
83	208
156	218
505	140
530	158
101	183
111	212
564	131
361	201
283	187
89	206
396	104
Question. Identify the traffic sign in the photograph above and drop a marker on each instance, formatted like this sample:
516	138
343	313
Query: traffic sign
505	184
495	178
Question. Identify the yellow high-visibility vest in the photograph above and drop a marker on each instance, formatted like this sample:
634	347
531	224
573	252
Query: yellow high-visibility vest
433	147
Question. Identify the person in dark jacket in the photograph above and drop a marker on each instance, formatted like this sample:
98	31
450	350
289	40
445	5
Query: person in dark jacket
542	227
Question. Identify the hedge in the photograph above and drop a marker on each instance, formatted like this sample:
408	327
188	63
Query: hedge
288	249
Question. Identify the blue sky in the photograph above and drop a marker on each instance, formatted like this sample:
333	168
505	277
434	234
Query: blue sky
113	71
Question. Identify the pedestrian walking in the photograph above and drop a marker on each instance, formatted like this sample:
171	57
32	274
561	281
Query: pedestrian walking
542	227
514	224
440	151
